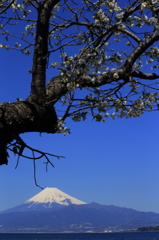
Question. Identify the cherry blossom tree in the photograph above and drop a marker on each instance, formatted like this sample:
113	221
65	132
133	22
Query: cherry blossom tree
102	47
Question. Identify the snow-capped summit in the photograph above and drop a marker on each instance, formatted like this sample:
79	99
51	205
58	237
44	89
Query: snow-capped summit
45	200
54	195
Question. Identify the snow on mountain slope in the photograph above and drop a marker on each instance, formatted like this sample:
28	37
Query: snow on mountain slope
53	195
49	198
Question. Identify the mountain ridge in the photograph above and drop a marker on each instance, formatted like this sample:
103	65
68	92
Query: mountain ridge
77	218
52	214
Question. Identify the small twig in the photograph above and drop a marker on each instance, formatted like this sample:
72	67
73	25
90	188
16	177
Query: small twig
34	163
19	145
17	162
7	7
31	2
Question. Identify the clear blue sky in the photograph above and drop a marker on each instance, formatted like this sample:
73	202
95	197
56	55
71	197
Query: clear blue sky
113	163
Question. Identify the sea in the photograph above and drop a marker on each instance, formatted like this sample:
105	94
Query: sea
81	236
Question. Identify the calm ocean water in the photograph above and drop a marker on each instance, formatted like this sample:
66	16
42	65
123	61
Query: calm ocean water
81	236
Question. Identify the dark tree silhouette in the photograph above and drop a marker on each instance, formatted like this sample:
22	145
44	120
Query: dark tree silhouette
109	41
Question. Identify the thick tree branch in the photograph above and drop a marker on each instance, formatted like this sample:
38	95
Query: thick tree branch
138	51
56	88
142	75
38	93
130	34
22	117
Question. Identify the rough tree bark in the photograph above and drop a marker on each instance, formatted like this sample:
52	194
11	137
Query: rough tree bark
34	114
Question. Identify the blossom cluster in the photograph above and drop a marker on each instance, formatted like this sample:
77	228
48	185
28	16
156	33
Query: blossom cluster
16	6
153	52
61	128
100	17
31	26
117	107
147	4
114	6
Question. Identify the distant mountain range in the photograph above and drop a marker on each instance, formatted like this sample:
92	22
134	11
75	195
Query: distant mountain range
54	211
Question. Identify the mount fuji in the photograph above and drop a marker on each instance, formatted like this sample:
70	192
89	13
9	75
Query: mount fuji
46	200
55	211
